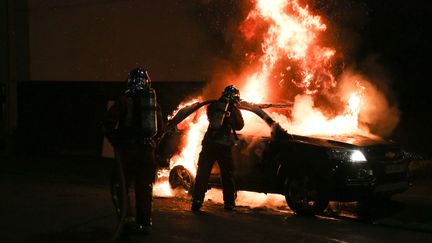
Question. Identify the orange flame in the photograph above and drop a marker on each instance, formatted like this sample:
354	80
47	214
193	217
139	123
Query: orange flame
290	37
188	157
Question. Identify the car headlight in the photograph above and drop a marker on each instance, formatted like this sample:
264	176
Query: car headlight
357	156
354	156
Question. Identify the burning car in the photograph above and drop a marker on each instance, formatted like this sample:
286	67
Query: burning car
309	171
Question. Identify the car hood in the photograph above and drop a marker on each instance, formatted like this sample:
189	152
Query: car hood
348	141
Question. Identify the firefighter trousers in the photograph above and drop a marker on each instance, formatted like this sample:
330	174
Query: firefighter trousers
140	170
210	153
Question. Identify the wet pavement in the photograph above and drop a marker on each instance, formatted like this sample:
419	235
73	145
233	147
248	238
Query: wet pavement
67	200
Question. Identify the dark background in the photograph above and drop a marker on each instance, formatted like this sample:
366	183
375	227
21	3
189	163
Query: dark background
400	33
64	117
68	58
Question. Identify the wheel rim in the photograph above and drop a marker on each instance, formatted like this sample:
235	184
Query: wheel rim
303	193
180	177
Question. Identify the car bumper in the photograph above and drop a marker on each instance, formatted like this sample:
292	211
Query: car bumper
391	188
357	190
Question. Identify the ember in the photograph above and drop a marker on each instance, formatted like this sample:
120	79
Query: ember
291	64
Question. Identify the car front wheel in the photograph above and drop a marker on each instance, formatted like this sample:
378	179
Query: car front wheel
305	195
180	177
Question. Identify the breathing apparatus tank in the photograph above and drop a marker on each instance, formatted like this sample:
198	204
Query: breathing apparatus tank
217	116
148	112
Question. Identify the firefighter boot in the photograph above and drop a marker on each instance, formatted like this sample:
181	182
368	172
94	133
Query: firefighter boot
144	229
229	206
144	210
196	205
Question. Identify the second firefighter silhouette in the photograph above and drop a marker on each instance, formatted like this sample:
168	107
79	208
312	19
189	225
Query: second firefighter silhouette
224	118
133	125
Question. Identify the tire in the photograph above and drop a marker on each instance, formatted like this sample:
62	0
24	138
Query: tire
305	195
180	177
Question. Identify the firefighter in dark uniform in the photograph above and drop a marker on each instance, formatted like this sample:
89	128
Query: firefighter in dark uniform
224	118
133	125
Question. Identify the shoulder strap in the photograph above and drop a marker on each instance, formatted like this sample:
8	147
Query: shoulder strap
235	134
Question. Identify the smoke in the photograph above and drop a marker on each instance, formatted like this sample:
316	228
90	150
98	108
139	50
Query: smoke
376	112
222	76
348	32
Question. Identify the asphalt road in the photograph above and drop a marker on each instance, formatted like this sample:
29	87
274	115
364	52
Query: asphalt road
67	200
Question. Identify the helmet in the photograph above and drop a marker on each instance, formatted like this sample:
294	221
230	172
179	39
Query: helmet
138	79
231	93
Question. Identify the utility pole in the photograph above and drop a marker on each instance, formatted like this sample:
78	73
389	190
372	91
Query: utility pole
11	82
17	48
4	57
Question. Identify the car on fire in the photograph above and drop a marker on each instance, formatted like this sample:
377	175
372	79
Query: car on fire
309	171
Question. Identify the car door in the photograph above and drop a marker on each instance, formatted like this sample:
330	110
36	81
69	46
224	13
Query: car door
249	167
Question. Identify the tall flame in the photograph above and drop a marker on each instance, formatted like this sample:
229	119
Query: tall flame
290	38
291	54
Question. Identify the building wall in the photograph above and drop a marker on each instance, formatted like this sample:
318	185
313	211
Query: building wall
64	117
